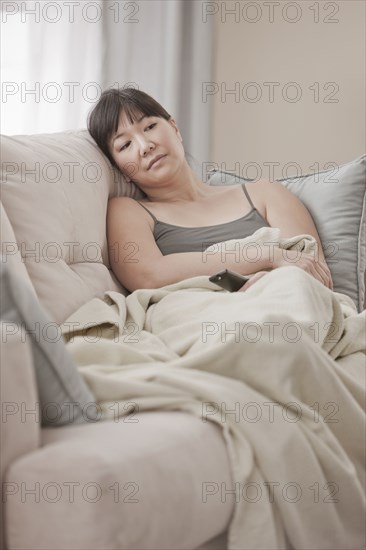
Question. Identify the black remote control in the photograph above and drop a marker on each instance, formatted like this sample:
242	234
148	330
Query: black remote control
229	280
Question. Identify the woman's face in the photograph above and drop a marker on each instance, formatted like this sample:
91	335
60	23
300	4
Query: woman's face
135	146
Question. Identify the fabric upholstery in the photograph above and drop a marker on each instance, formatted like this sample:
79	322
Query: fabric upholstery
144	494
55	190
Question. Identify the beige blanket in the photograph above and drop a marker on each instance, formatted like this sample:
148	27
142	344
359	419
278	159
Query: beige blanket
280	367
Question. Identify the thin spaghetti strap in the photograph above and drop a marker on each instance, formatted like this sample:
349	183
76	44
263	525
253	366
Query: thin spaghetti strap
247	195
151	214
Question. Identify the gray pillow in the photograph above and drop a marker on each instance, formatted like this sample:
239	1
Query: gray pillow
336	201
64	397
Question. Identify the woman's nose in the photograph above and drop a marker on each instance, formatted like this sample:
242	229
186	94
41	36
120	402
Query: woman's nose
145	146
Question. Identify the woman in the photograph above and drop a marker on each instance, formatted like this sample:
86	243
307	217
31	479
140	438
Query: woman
161	240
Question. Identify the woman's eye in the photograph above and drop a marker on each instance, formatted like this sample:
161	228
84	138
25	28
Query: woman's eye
127	144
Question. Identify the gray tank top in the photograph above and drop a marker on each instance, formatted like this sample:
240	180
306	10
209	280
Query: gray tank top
172	239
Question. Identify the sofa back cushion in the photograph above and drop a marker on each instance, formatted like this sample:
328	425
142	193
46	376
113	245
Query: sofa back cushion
55	190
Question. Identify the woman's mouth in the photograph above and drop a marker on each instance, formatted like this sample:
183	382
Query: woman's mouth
157	162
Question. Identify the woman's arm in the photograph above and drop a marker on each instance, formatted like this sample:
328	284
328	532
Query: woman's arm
137	261
285	211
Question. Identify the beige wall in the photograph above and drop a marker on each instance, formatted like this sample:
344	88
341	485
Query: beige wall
308	133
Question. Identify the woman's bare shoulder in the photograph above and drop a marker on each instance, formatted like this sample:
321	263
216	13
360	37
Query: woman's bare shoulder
122	200
122	203
258	191
126	210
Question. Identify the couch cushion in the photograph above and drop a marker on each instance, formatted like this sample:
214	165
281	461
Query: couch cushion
150	493
55	190
63	395
336	200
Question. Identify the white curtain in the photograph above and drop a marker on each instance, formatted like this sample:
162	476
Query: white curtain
51	56
57	57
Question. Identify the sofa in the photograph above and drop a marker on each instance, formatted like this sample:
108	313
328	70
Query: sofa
74	485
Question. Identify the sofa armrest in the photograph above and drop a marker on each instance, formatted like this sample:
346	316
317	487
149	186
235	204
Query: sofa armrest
20	429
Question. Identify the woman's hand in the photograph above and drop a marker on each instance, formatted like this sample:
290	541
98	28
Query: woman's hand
307	262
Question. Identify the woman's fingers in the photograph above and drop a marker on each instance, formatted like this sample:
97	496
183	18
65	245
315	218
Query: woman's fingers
319	270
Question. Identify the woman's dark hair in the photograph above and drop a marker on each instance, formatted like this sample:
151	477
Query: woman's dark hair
103	120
